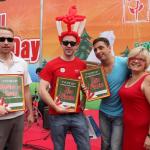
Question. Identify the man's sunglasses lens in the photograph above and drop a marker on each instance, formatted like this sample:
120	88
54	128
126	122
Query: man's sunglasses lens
2	39
66	43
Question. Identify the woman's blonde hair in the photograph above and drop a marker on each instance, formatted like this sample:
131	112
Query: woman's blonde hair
142	52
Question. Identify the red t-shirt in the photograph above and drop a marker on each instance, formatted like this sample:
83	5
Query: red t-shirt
61	68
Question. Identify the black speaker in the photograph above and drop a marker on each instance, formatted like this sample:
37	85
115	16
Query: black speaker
45	118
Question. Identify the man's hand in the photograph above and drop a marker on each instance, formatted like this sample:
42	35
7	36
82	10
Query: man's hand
147	143
3	110
3	107
61	110
87	92
30	119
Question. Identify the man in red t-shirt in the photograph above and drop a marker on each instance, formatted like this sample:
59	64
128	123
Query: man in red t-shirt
61	121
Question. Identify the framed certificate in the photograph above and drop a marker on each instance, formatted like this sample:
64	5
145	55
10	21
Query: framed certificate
67	93
91	64
12	90
95	82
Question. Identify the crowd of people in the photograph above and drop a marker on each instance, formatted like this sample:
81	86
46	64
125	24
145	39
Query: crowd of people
124	116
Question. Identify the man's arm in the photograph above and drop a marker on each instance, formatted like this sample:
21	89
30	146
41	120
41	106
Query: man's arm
44	85
28	101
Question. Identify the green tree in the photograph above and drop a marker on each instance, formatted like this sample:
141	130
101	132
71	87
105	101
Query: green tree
85	46
125	52
44	62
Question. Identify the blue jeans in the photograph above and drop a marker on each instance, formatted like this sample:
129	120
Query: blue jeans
111	129
74	123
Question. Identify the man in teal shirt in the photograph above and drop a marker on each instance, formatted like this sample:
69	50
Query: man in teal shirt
111	109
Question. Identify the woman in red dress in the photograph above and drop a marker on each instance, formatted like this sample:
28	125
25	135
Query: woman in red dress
135	96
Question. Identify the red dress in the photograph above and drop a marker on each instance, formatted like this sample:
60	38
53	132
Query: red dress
136	116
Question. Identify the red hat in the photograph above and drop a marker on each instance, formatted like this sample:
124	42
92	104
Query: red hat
74	24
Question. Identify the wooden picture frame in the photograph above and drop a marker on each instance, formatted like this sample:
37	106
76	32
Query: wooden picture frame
94	80
12	91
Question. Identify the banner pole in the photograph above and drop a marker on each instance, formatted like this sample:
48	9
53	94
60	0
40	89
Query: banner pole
41	32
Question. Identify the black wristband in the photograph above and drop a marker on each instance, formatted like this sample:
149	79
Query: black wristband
148	135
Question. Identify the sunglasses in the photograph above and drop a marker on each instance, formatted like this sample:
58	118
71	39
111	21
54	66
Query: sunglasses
66	43
9	39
